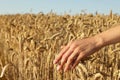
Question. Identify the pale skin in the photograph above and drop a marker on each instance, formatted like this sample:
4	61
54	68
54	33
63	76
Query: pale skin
71	54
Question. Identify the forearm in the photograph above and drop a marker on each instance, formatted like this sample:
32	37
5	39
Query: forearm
110	36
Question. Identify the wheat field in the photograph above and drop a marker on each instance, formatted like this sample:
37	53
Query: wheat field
30	42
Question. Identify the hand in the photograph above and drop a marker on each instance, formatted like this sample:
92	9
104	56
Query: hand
74	51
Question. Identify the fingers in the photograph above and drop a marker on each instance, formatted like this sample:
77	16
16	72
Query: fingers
65	57
77	60
71	58
61	53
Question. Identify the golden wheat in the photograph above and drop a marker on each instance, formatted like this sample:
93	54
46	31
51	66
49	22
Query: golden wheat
29	44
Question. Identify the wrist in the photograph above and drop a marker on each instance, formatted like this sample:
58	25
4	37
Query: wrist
99	41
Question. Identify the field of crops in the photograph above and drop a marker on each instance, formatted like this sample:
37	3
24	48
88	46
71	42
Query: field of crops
30	42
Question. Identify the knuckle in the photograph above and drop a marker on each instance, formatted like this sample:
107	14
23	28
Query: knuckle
63	58
77	50
82	53
71	50
73	46
62	61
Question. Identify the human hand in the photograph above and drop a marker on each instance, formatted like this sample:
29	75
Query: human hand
74	51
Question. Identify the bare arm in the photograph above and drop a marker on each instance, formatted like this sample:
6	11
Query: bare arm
110	36
74	51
